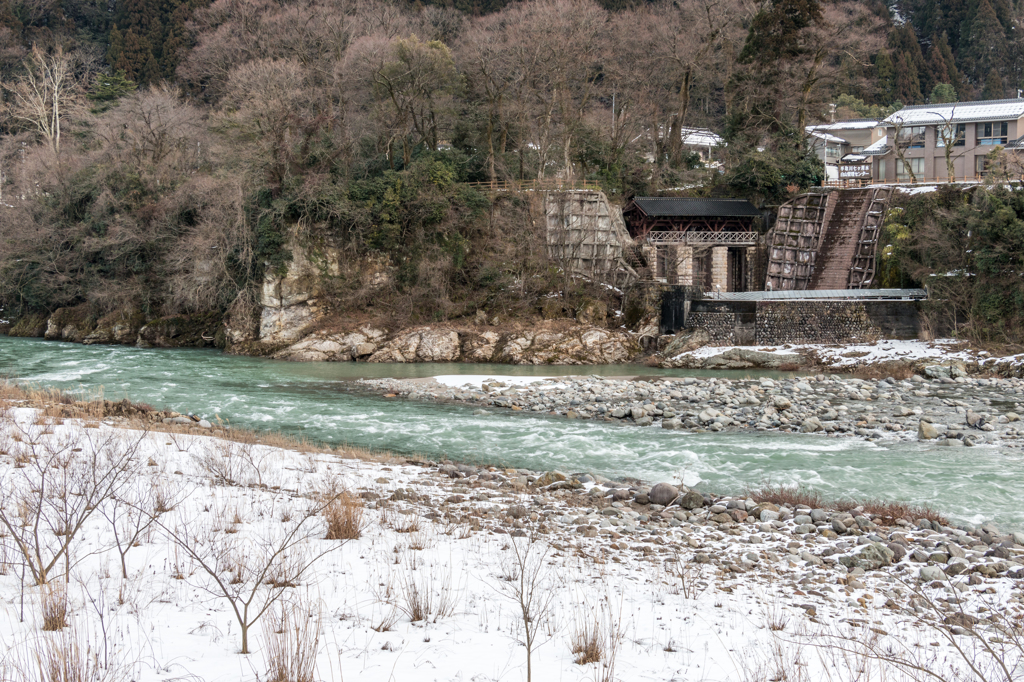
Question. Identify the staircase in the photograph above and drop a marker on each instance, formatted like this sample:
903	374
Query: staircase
840	242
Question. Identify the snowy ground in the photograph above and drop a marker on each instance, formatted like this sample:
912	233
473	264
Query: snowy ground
848	355
431	590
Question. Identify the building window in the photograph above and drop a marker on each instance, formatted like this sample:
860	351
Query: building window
958	134
992	133
881	169
916	166
911	138
980	165
856	150
832	150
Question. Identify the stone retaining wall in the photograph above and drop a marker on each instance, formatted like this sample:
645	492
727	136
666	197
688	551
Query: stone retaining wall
720	326
812	322
779	322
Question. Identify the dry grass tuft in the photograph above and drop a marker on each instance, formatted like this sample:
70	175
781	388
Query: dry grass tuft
293	641
885	512
53	602
344	517
791	495
586	642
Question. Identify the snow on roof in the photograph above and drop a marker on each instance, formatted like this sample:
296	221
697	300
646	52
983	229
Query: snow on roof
876	148
848	124
854	157
959	112
826	137
701	137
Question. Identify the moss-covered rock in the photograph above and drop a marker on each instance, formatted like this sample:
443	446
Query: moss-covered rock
117	327
29	326
181	331
70	324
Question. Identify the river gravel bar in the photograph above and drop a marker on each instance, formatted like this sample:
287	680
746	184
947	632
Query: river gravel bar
961	411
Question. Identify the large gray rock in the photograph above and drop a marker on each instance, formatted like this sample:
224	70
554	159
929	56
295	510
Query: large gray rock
929	573
663	493
577	346
422	344
687	341
872	557
927	431
691	499
333	347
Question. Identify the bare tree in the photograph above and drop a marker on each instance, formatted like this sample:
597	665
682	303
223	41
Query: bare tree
45	93
902	141
949	136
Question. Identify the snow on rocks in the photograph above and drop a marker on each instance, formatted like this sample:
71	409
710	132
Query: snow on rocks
949	411
428	589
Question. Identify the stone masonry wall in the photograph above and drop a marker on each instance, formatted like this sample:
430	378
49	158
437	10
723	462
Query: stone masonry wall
812	322
720	326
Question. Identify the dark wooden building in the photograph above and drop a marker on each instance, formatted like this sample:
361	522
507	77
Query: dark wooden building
673	214
708	243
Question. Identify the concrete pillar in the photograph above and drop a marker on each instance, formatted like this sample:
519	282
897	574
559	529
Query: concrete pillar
720	269
683	262
752	275
650	254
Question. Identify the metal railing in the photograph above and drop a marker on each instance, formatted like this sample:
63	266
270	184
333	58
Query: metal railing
869	182
702	237
552	185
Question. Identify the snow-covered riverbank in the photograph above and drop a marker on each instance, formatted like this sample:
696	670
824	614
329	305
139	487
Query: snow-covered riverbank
666	584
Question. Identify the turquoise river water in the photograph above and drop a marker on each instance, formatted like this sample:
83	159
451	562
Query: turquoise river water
321	401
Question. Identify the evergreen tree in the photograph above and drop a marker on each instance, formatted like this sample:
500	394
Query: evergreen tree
885	78
993	86
912	73
983	44
115	48
135	53
942	93
908	84
107	89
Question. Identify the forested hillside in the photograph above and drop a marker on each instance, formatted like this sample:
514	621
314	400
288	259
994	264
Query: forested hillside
160	157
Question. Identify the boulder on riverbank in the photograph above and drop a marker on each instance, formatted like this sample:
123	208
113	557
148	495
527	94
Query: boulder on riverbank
334	346
737	358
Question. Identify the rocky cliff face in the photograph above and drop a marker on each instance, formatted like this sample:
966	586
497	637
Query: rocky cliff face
581	345
289	299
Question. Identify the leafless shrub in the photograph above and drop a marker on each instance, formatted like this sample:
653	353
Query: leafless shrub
66	478
235	464
689	577
250	572
53	604
292	634
344	516
526	581
132	512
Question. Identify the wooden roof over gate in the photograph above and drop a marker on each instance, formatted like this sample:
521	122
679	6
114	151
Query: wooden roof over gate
678	214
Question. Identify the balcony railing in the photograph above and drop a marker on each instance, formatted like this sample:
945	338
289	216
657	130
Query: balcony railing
868	182
702	237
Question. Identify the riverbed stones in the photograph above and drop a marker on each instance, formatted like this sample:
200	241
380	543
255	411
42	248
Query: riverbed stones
663	493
